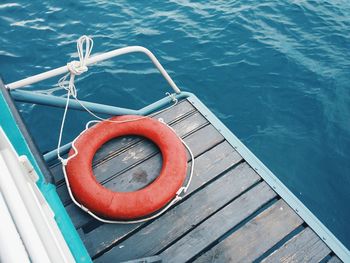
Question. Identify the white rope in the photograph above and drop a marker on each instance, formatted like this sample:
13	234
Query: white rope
77	68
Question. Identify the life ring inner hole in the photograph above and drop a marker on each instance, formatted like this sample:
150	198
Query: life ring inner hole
117	170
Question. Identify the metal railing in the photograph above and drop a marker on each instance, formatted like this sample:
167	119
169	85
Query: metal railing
92	60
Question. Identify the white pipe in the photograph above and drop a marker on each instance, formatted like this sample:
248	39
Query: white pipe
20	215
93	60
11	246
29	210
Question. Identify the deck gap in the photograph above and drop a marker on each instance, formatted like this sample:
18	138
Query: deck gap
280	243
305	224
134	231
211	147
208	182
129	234
238	226
90	226
147	157
136	141
112	177
327	258
212	214
87	228
56	161
330	257
195	130
182	117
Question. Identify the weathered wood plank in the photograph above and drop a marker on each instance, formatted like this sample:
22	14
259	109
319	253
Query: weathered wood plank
216	226
182	109
223	156
183	217
139	153
334	259
304	247
256	237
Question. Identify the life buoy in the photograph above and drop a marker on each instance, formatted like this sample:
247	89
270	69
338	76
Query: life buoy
127	205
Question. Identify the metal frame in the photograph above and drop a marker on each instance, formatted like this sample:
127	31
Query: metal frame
93	60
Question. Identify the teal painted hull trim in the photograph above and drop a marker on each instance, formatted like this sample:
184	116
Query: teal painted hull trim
63	220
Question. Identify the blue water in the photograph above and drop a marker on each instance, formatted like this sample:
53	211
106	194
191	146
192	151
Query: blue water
276	73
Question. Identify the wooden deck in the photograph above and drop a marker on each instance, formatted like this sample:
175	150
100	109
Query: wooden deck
229	214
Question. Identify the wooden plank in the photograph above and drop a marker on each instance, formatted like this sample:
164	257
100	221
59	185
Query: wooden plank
223	157
172	225
142	151
216	226
304	247
256	237
182	109
334	259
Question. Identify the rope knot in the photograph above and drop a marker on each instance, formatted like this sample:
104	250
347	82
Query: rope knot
172	96
79	67
76	67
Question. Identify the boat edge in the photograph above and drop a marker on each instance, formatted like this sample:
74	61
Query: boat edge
21	146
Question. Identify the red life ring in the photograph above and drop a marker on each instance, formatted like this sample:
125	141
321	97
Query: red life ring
127	205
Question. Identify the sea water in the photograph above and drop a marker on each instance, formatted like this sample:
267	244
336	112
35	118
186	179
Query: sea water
277	73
